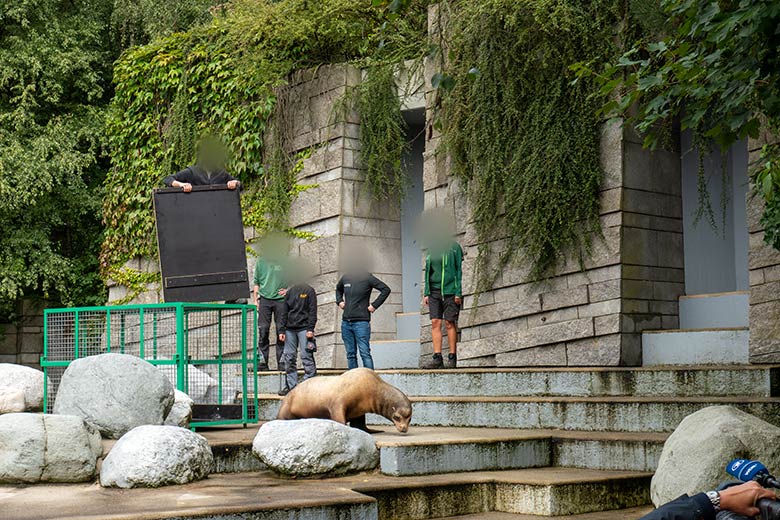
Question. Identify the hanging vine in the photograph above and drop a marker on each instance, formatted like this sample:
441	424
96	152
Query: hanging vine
522	136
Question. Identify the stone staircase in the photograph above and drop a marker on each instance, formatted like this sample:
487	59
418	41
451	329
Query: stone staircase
549	442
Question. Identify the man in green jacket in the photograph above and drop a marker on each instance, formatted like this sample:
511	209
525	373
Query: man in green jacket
269	290
443	296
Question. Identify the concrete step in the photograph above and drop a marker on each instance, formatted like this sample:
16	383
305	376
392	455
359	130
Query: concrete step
757	380
396	353
633	513
709	311
617	414
431	450
262	496
538	491
695	346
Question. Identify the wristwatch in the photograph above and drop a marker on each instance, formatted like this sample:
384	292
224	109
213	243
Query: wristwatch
714	497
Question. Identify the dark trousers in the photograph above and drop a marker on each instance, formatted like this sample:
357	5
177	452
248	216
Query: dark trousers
265	309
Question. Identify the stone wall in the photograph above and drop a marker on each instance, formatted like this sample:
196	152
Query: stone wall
580	317
22	342
764	266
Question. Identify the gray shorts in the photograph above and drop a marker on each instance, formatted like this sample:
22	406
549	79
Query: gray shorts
443	307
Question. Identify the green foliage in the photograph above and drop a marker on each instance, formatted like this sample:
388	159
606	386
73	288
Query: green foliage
228	77
136	22
523	138
54	60
718	71
382	133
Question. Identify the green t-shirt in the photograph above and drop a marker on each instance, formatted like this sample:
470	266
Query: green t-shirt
269	277
435	274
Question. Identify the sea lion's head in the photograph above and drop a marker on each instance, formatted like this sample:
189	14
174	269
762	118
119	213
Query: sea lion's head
401	417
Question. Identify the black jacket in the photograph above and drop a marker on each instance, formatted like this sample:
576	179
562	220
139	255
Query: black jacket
196	176
697	507
355	291
300	308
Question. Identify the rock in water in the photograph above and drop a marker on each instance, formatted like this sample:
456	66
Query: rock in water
310	447
115	392
47	448
154	456
16	379
694	457
181	413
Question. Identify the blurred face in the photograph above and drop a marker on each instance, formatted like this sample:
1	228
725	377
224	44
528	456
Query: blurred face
212	155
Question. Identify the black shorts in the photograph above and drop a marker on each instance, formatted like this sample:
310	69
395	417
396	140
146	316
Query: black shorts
443	307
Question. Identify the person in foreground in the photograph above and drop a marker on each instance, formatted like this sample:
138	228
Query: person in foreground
739	499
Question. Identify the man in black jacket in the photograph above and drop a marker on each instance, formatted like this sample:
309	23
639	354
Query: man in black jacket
209	170
739	499
298	319
353	292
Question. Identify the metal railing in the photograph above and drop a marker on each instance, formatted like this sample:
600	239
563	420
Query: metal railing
204	349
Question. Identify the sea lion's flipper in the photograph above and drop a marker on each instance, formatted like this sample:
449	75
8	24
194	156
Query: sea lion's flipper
360	424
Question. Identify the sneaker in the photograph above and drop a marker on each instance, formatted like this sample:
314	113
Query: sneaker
436	362
452	361
284	391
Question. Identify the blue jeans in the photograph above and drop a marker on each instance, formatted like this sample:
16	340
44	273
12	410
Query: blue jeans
357	336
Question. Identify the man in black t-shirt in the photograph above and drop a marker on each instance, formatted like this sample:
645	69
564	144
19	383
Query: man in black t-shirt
209	170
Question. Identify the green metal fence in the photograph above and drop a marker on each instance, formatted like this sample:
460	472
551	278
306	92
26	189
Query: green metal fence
204	349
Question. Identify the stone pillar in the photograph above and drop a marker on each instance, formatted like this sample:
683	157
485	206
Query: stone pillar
764	271
22	342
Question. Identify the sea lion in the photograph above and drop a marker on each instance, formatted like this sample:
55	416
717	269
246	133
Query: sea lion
347	399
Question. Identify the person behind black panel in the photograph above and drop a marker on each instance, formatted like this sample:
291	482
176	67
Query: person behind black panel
209	169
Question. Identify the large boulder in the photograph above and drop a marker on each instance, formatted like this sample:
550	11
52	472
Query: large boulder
154	456
47	448
181	413
115	392
16	381
695	455
311	447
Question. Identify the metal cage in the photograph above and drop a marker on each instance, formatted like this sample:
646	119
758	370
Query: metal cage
204	349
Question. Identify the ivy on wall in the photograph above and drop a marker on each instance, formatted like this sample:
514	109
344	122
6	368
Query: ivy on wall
227	78
522	136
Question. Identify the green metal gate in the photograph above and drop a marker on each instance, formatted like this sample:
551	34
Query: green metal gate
204	349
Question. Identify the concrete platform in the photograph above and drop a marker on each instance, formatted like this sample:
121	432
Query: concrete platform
429	450
617	414
545	491
622	514
678	381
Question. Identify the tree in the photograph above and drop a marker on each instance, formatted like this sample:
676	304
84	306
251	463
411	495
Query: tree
718	72
55	67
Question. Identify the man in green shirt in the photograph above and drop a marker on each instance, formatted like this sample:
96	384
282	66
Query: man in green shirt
443	296
268	294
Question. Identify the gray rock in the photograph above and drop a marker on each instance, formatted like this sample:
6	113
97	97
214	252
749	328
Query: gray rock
199	382
12	400
181	412
695	455
310	447
16	378
115	392
47	448
154	456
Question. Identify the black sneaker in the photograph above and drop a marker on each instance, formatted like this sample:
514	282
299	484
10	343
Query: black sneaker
284	391
436	362
452	361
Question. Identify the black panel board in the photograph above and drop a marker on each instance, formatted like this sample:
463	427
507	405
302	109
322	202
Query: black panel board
200	238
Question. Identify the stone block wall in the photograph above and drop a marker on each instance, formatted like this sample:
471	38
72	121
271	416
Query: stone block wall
590	316
22	342
764	275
